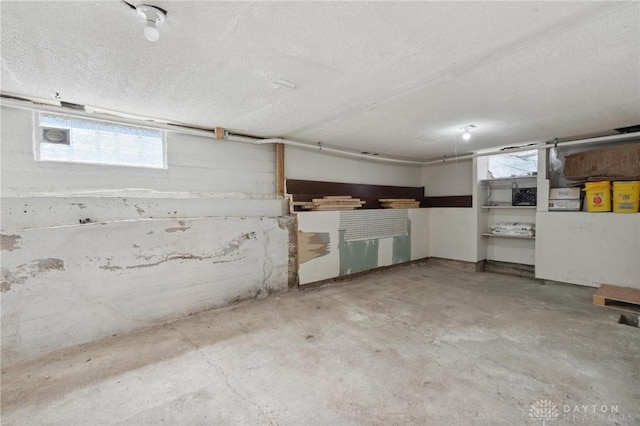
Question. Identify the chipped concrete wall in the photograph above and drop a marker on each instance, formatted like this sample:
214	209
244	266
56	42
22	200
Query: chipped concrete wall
68	285
91	251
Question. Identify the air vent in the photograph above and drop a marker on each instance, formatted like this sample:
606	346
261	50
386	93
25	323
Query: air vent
54	135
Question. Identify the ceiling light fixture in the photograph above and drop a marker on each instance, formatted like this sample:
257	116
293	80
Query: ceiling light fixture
466	135
152	15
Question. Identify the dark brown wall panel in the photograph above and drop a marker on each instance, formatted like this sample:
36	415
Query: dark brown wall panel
306	190
451	201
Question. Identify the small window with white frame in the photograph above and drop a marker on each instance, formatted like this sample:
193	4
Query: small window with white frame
65	138
524	163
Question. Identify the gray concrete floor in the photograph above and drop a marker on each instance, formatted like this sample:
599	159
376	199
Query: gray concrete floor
417	344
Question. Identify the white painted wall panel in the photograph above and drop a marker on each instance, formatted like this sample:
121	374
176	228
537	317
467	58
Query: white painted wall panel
309	164
327	266
420	233
450	178
385	251
588	248
453	233
69	285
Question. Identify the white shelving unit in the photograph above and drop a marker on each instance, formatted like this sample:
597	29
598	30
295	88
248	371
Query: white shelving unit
508	207
488	234
494	197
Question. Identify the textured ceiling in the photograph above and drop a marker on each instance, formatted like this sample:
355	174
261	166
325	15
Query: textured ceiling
393	77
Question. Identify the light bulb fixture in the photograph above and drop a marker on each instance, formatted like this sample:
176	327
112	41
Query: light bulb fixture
466	135
152	15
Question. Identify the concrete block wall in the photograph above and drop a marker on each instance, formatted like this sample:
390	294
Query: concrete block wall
159	244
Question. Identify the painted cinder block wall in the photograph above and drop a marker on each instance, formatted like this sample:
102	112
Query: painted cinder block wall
161	244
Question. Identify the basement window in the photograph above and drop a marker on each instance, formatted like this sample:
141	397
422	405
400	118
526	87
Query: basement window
517	164
65	138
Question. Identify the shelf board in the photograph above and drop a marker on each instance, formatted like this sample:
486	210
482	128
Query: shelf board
509	178
487	234
508	207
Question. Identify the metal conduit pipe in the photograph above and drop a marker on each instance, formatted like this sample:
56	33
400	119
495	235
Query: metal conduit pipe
545	145
258	141
101	114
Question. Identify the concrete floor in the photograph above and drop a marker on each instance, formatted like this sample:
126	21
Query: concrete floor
417	344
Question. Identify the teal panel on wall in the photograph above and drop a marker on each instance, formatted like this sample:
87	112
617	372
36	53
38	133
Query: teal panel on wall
357	256
402	247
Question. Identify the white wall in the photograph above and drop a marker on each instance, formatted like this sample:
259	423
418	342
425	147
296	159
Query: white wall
588	248
453	233
308	164
326	263
451	178
162	243
195	164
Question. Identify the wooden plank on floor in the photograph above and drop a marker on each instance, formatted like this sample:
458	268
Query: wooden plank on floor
621	298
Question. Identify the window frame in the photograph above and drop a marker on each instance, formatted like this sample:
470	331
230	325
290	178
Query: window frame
533	152
37	141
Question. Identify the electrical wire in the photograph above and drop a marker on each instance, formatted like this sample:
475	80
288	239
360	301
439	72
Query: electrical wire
128	4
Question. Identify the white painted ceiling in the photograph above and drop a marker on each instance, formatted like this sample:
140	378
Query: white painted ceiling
399	78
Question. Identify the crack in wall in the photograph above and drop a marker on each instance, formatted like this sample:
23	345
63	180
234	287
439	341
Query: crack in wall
180	256
231	247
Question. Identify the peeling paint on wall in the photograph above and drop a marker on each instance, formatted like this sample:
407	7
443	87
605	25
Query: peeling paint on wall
236	243
10	242
357	256
177	229
229	248
312	245
23	272
130	274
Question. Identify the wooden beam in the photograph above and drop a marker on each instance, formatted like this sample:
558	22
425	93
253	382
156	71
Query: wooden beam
280	169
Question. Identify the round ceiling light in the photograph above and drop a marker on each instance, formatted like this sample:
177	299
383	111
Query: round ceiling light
152	15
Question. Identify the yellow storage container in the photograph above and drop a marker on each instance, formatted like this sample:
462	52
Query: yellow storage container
626	197
598	196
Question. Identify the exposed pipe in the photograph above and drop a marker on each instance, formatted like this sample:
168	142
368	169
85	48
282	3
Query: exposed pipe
105	115
259	141
545	145
102	114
